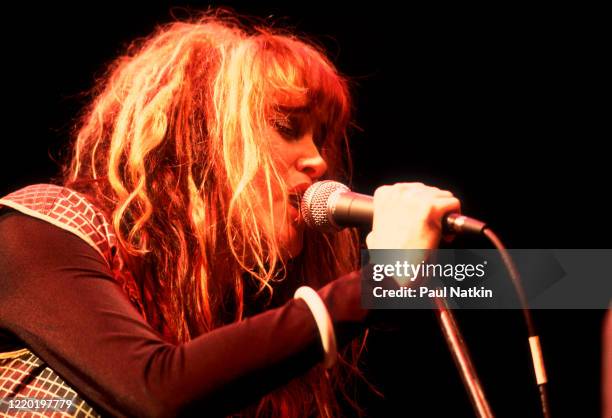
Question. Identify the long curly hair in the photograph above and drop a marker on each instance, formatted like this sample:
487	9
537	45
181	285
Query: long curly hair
171	148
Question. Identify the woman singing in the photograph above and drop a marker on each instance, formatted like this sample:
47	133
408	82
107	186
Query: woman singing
157	278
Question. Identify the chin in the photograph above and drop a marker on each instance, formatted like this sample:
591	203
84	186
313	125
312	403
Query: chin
296	250
293	244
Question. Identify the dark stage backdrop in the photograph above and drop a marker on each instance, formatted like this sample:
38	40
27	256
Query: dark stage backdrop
504	106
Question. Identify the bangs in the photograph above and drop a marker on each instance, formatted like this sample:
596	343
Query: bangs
297	78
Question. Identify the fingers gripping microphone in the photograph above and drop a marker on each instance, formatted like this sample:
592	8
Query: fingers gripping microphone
330	206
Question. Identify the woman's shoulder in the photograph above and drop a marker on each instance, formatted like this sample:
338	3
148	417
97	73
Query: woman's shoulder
74	212
66	209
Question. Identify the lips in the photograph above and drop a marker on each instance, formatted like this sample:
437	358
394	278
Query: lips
294	210
295	198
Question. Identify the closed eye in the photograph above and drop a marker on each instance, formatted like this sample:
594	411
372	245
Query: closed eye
290	126
285	128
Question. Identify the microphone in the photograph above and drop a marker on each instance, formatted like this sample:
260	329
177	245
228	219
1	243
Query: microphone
330	206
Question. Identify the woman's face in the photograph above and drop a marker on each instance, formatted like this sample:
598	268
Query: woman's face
299	162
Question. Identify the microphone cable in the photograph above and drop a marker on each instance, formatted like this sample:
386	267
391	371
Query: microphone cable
534	340
358	209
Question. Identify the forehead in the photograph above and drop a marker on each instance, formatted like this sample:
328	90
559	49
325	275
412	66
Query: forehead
297	105
294	110
281	98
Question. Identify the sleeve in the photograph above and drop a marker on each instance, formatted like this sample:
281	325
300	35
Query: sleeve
57	295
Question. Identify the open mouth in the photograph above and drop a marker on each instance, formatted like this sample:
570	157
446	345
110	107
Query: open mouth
295	200
296	193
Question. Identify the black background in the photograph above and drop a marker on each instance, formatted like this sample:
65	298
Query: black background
504	106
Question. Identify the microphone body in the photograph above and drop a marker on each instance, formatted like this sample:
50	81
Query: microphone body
331	206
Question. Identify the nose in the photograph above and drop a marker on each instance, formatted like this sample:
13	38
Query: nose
311	162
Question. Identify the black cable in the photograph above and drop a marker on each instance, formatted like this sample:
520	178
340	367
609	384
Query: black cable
534	341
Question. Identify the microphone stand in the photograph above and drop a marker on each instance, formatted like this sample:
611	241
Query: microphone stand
462	359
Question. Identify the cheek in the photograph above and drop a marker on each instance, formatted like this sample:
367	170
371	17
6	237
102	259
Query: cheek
284	152
264	189
291	240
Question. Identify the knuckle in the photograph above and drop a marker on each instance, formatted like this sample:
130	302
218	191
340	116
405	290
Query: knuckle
381	191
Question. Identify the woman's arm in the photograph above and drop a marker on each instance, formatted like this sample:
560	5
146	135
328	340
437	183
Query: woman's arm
57	295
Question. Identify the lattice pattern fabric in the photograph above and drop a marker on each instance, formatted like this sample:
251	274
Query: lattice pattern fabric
66	209
72	212
22	373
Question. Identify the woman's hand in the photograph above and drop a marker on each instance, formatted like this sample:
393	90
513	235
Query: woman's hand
409	216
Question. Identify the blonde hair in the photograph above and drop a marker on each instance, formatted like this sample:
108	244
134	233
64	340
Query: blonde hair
171	148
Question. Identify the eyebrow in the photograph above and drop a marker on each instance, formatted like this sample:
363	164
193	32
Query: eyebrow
294	109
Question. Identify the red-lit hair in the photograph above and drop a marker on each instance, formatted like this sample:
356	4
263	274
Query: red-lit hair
171	147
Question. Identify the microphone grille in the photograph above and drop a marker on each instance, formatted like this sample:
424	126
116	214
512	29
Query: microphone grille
315	206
